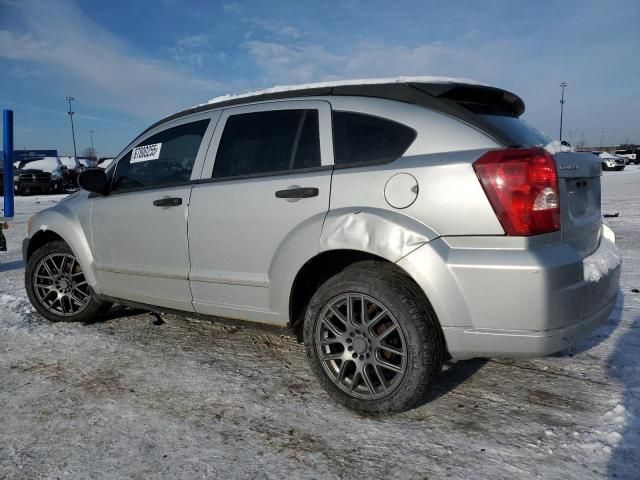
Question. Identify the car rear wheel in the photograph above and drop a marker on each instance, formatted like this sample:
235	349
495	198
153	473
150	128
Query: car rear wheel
57	287
372	339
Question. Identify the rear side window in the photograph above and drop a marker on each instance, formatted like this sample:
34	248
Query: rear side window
362	138
168	158
266	142
519	131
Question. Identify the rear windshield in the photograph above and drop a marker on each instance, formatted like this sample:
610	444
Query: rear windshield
518	130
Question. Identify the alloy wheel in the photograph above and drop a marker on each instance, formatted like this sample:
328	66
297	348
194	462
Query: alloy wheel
361	346
60	285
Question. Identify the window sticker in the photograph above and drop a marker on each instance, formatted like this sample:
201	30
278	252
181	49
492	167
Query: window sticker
146	153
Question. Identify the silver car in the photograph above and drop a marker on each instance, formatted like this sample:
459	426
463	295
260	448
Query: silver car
390	224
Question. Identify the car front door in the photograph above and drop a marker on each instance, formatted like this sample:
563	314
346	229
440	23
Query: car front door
256	215
139	230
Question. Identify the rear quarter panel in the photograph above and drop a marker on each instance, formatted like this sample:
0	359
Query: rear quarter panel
450	201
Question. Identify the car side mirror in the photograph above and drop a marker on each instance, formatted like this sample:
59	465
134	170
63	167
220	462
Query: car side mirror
94	180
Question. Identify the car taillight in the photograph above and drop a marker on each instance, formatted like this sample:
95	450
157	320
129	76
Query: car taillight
522	187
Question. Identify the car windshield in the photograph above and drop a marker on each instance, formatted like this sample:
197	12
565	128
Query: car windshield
47	164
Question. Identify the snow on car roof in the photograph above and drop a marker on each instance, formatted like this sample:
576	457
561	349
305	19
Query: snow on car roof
46	164
69	162
341	83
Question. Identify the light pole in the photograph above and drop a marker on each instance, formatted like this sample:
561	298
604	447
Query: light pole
73	133
562	85
93	152
601	137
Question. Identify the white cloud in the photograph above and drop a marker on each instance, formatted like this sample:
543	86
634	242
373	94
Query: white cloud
91	60
232	7
292	63
194	41
595	99
191	51
279	29
26	73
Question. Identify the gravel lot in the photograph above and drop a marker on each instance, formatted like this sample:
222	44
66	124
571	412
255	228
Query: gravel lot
141	396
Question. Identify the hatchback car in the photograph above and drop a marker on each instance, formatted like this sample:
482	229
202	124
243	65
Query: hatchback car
391	224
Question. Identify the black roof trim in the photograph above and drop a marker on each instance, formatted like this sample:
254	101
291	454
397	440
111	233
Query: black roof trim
463	101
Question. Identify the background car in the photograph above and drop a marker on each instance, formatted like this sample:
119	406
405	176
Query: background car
630	155
72	169
87	163
610	162
104	162
40	175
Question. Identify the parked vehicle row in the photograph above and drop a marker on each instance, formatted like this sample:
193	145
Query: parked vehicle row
47	174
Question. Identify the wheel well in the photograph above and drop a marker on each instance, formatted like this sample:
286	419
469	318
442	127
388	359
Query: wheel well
39	239
314	273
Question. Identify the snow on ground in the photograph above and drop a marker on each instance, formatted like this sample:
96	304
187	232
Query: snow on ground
137	397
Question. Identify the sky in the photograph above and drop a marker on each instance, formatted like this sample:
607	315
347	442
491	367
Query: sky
129	63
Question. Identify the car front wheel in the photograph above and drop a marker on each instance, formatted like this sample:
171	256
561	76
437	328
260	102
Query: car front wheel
57	287
372	339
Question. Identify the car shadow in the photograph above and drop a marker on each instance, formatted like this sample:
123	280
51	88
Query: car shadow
13	265
454	374
624	365
116	312
604	331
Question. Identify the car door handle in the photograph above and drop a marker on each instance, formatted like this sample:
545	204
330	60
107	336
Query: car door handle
168	202
298	192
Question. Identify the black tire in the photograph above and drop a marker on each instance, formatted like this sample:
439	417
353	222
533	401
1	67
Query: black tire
94	307
422	337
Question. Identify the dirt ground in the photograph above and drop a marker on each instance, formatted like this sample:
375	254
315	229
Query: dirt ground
144	397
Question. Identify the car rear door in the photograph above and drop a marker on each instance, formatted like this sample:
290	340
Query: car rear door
257	213
139	230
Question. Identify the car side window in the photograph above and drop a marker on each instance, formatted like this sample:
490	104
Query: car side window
167	159
266	142
360	138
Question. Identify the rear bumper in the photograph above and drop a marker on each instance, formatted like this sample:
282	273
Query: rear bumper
480	342
510	302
